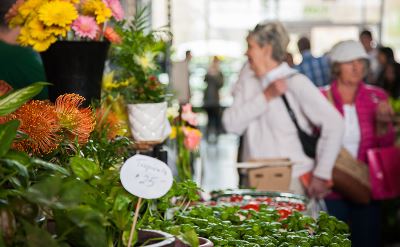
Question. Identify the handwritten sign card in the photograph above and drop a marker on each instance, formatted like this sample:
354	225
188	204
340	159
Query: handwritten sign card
146	177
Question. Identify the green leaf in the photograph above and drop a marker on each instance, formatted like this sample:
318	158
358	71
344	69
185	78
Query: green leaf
83	168
120	212
17	166
37	237
8	131
18	97
46	192
88	224
2	244
51	166
191	237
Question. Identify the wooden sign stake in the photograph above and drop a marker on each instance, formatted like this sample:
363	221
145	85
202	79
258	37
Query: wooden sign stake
135	217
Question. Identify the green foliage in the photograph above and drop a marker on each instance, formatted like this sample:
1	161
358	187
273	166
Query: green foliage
36	237
106	153
8	131
15	99
83	168
231	226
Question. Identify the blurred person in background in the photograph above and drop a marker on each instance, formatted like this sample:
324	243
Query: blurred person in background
373	68
19	66
289	59
180	79
260	115
315	68
214	80
367	116
389	77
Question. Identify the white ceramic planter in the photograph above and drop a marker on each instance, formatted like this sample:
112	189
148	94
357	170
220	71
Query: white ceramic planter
148	122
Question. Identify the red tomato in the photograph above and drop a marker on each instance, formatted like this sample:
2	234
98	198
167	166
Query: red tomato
300	207
252	205
284	212
236	198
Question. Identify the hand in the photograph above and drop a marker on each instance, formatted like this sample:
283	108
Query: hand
275	89
318	188
384	112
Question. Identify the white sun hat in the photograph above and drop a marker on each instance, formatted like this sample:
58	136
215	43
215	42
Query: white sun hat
346	51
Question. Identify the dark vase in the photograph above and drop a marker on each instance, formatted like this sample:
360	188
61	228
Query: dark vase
75	67
153	238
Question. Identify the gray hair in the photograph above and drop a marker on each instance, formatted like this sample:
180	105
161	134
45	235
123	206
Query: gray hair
274	34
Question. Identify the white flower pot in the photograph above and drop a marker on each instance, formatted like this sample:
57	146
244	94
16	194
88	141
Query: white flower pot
148	122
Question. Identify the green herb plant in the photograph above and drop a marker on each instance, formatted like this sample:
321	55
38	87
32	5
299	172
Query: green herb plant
135	59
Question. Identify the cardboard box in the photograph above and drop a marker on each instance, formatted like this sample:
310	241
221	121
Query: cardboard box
267	175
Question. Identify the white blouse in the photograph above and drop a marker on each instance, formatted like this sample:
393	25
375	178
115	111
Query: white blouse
352	135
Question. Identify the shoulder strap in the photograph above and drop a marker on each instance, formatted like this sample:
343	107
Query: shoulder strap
290	111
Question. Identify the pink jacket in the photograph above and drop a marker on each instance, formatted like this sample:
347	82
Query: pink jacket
366	101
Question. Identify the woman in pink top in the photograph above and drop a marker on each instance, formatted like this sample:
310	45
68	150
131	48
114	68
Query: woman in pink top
367	117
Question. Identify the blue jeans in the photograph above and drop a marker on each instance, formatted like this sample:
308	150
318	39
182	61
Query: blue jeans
364	221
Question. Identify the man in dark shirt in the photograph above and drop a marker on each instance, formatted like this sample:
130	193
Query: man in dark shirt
19	66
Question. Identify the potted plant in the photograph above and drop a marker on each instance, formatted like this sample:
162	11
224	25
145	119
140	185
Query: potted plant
73	38
136	72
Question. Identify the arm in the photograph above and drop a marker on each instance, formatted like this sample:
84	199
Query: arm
243	111
323	115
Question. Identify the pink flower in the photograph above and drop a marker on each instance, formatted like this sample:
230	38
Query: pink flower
192	138
116	9
188	115
85	27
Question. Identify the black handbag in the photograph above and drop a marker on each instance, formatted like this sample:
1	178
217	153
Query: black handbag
308	142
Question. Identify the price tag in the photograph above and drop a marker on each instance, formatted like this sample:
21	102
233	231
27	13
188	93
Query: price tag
146	177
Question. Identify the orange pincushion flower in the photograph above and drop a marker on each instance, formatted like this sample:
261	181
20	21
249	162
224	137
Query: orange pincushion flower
78	122
107	121
39	121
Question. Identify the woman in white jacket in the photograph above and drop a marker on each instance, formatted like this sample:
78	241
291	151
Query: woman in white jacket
259	113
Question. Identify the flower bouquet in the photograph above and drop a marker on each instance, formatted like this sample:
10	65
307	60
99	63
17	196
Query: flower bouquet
43	22
187	138
72	37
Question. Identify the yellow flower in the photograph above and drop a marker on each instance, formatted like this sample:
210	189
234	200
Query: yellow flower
24	38
58	13
98	9
42	45
58	31
29	7
172	135
38	30
146	61
109	83
16	21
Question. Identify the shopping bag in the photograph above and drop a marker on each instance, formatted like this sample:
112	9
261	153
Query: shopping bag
384	167
351	178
